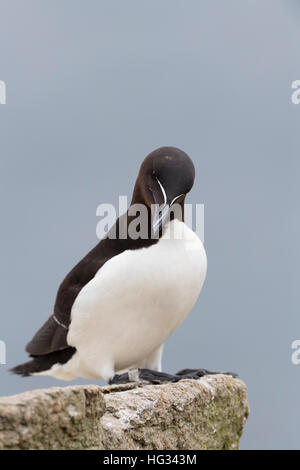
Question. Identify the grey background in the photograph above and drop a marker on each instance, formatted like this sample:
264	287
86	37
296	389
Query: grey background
92	87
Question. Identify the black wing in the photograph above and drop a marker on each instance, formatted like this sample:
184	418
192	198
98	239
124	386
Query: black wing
52	336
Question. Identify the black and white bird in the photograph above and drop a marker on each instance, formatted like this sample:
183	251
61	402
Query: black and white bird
119	304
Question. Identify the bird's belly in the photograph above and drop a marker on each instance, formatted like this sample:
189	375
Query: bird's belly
136	301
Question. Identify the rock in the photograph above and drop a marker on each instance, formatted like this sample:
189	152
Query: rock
208	413
57	418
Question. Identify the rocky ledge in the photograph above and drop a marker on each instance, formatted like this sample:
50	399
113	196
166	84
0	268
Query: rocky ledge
209	413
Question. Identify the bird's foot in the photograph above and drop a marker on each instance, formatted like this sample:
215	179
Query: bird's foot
155	377
197	373
143	375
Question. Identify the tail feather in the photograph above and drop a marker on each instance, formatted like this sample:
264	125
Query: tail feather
25	370
43	363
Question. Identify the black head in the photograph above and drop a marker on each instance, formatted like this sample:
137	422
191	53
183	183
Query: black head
165	177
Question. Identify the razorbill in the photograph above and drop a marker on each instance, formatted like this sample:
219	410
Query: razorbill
119	304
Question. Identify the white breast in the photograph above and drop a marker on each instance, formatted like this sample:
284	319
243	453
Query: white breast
135	302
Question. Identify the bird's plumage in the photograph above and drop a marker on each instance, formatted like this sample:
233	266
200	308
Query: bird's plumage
120	303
